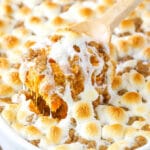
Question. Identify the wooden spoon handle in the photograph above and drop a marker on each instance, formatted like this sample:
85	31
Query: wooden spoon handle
118	12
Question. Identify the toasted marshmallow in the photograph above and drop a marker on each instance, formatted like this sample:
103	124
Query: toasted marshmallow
37	25
10	42
108	2
146	53
136	79
6	9
86	12
100	9
116	83
4	63
119	145
140	125
9	113
83	111
58	21
136	41
44	122
32	3
114	131
17	126
146	18
31	133
54	135
50	9
130	99
5	26
146	90
123	47
91	130
6	90
22	13
25	114
89	94
12	79
80	12
115	115
72	146
130	132
127	26
21	32
141	110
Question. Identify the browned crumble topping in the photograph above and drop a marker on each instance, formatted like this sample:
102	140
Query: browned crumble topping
65	8
90	144
104	92
127	148
41	62
1	108
72	137
97	46
121	92
101	78
94	61
146	127
124	34
143	68
138	22
139	142
106	96
35	142
124	59
143	100
125	108
102	147
135	118
30	118
33	54
19	24
58	74
76	48
77	79
96	102
73	122
126	70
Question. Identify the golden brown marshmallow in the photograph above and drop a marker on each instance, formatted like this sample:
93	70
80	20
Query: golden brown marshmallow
131	99
114	131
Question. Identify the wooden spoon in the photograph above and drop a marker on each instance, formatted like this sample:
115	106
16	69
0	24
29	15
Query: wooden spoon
101	29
